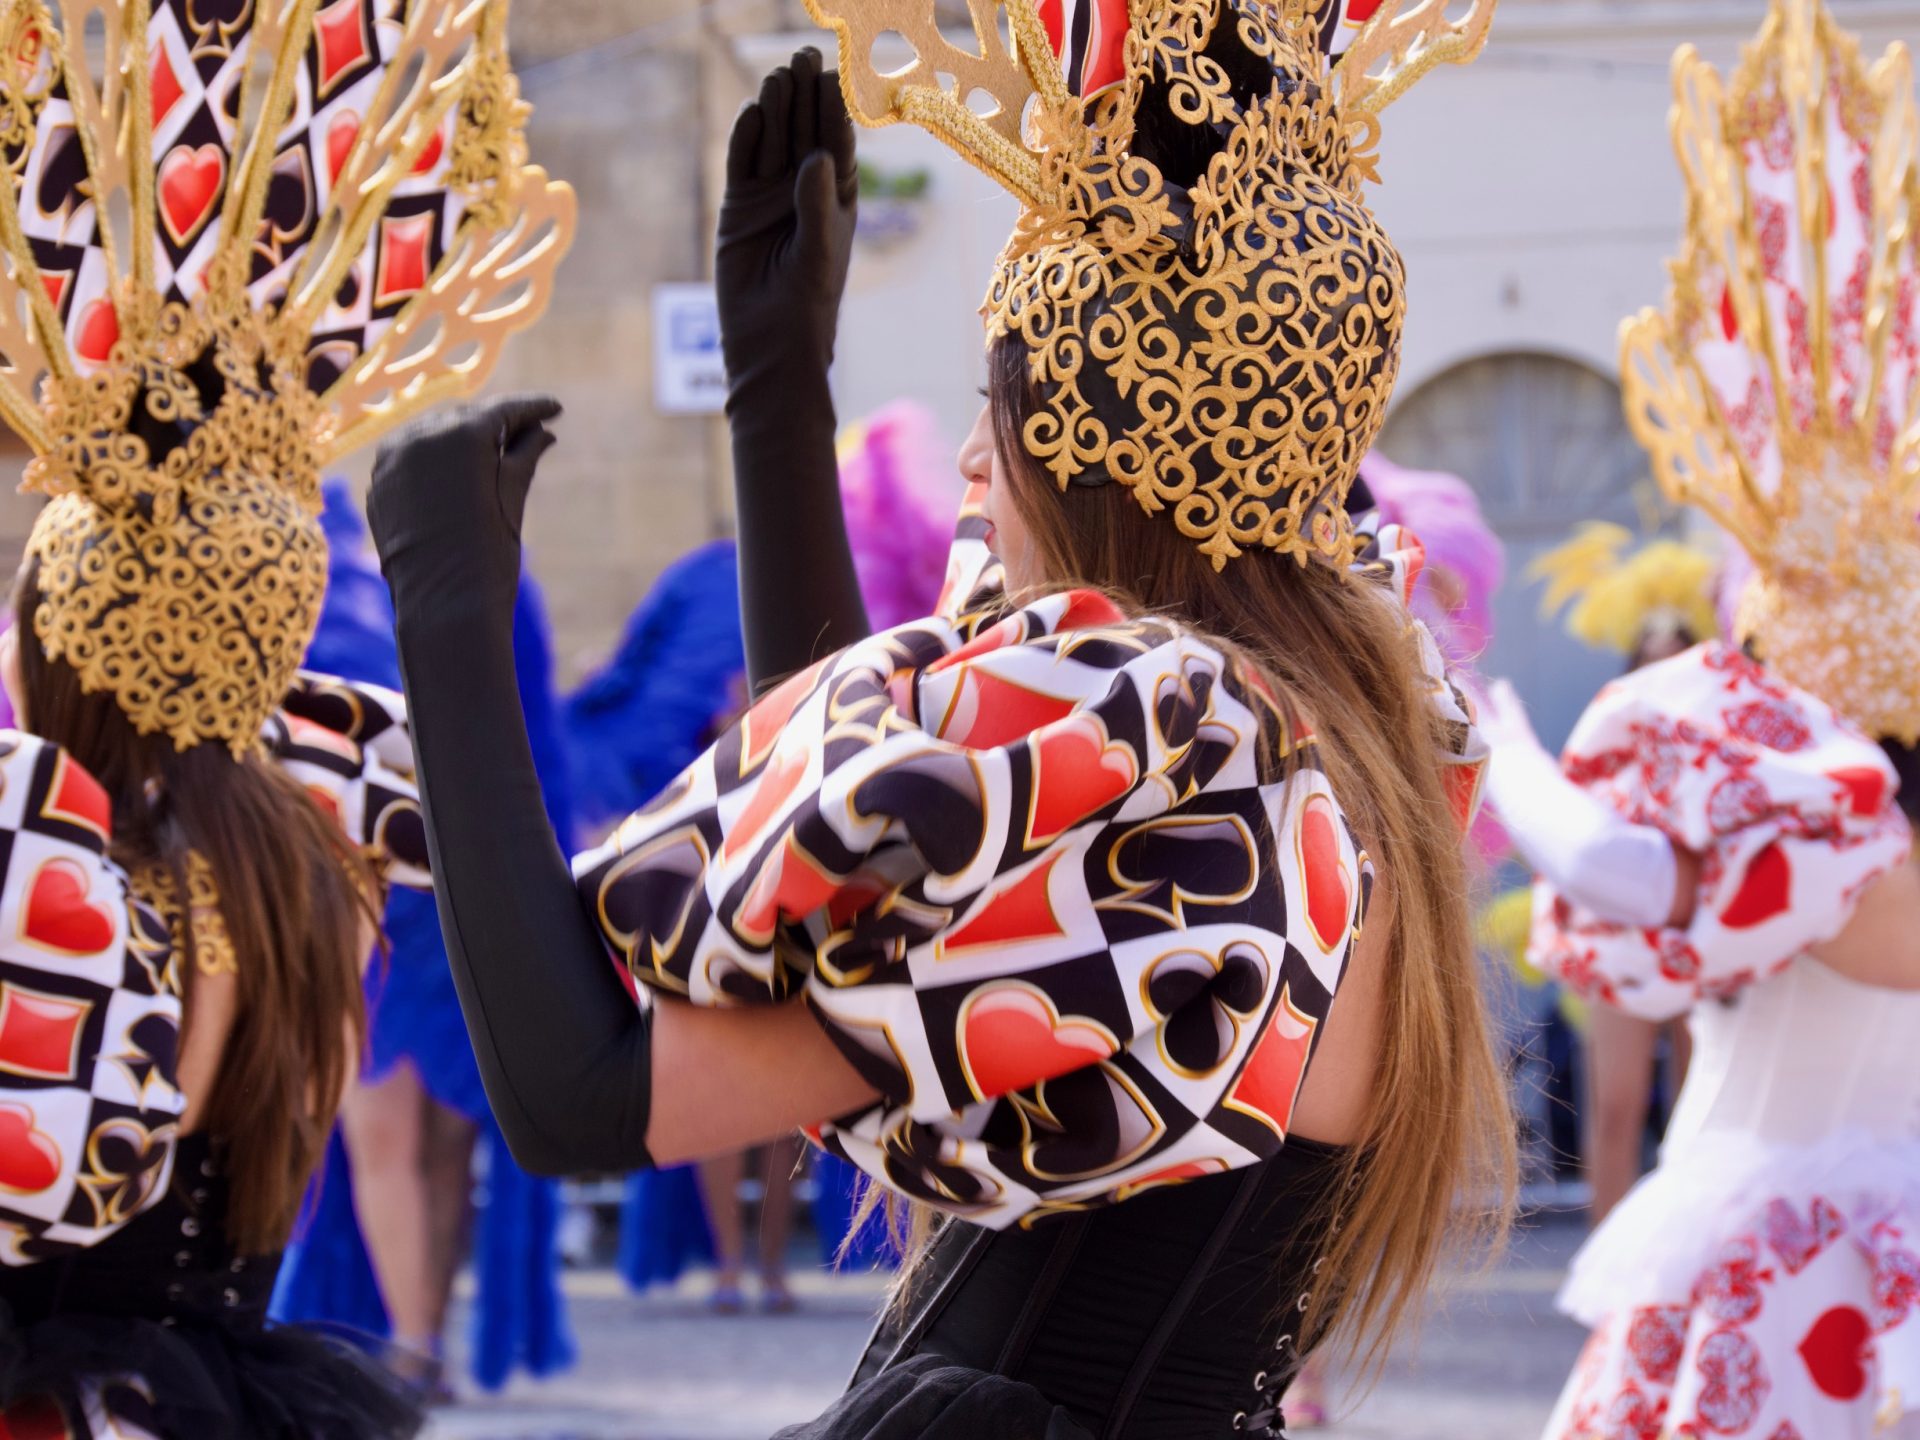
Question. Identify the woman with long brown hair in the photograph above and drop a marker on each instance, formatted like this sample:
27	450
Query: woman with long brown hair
193	835
1062	881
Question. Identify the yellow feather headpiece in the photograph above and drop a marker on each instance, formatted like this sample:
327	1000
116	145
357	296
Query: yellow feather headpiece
236	241
1616	598
1211	315
1779	389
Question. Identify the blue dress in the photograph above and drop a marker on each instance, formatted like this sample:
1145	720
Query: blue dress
519	1320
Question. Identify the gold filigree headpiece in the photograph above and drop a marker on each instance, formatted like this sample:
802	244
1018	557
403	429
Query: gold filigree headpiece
236	241
1211	315
1779	390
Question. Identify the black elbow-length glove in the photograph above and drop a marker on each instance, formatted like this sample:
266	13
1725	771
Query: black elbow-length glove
783	245
565	1054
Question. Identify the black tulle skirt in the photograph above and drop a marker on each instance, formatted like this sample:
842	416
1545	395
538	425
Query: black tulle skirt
75	1377
928	1398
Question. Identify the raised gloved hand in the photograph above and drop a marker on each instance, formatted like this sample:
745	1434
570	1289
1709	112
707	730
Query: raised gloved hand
785	236
786	229
449	494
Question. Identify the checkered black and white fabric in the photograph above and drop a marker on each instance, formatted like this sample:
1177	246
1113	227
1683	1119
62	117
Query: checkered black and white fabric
89	1016
198	57
90	982
1068	886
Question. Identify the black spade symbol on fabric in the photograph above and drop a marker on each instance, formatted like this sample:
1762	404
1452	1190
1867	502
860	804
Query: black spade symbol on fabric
206	18
158	1038
937	796
63	173
1208	862
1205	1007
1091	1124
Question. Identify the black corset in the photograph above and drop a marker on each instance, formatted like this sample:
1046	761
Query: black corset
171	1263
1174	1315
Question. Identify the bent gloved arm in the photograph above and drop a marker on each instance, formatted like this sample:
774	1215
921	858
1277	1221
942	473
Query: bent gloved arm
565	1054
784	239
1621	871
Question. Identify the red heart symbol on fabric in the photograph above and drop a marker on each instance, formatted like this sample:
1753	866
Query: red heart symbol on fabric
29	1160
1324	877
342	131
59	915
1836	1351
1076	771
189	185
1765	890
97	333
429	154
1011	1037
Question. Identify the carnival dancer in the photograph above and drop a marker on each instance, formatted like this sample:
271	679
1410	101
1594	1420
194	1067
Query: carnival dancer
1064	888
1722	834
1645	604
226	250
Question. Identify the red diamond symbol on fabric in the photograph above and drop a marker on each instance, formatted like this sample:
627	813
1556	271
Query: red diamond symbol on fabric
164	86
340	42
404	244
40	1034
56	283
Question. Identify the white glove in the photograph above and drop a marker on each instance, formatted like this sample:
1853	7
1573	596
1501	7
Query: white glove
1596	858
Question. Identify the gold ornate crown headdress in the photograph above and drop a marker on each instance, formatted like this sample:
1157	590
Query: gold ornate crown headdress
239	238
1779	390
1211	315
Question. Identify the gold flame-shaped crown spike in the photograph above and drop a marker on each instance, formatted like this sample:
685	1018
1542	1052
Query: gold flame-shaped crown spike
1779	389
1211	316
239	238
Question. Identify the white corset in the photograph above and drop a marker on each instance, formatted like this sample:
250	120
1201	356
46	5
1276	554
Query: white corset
1804	1055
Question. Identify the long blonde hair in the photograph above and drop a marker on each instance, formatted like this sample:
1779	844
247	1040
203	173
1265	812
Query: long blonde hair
1433	1171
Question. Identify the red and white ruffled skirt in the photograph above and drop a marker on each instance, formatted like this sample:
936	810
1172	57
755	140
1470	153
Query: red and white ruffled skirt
1753	1291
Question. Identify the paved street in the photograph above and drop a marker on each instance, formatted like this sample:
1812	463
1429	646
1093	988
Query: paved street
1487	1365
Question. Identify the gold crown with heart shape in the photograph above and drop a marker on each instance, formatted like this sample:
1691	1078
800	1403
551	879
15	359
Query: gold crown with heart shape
1779	388
234	245
1211	315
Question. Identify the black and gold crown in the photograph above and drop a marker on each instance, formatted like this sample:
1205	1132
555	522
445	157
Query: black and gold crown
1779	389
1211	313
239	238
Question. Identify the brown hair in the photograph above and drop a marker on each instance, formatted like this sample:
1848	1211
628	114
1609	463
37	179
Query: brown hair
1434	1169
294	896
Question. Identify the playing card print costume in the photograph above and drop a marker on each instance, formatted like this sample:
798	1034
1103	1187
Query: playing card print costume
235	243
1066	886
125	1303
1762	1281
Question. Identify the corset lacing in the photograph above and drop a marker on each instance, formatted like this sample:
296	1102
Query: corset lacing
1266	1417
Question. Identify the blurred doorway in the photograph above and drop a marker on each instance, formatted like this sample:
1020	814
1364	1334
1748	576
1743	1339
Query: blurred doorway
1544	444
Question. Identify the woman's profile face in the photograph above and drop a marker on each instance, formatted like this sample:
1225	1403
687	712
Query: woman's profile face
1007	537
